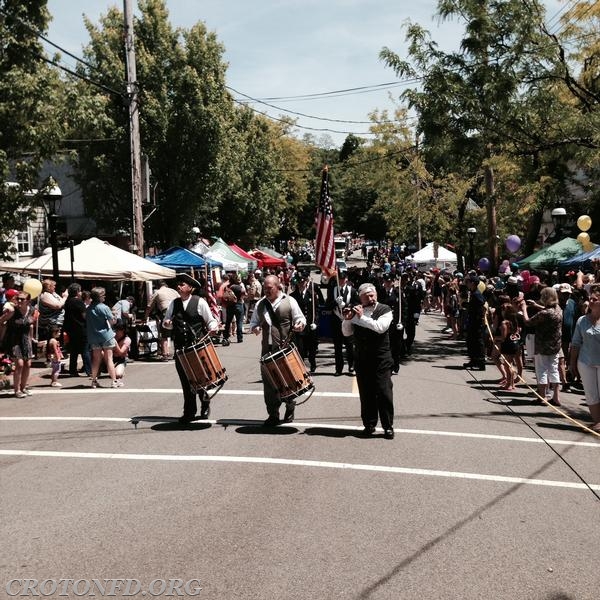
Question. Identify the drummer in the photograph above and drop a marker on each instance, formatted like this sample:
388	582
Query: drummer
276	316
190	319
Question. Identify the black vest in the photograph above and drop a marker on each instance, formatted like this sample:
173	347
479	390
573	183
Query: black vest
370	345
188	325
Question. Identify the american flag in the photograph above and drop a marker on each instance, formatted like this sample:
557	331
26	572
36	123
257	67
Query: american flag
325	251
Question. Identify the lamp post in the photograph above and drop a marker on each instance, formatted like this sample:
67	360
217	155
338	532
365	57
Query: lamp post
52	195
471	232
559	218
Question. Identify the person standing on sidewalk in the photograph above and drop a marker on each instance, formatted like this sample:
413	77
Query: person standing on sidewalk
19	341
99	320
74	327
476	330
368	323
157	306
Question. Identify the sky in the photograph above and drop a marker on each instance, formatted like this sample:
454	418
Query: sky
283	48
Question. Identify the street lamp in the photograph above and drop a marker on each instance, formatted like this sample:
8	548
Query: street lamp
471	232
52	195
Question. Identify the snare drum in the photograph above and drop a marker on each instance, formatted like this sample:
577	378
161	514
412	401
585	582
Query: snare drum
286	372
202	365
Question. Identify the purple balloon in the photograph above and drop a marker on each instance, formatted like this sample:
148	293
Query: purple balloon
484	264
513	243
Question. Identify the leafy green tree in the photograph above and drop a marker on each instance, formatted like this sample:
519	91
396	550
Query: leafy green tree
30	115
473	104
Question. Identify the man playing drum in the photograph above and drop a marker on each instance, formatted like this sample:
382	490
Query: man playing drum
190	318
276	316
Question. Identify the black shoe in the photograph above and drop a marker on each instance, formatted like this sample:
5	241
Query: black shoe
395	369
289	414
225	342
350	370
272	421
205	410
313	368
186	419
388	434
338	373
240	340
478	368
468	365
368	430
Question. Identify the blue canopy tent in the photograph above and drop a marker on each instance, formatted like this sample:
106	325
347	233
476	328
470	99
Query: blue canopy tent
178	258
581	261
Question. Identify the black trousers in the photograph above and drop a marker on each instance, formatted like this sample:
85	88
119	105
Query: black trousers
476	345
308	342
340	342
376	393
190	405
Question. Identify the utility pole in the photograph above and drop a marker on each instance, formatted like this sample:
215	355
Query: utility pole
137	229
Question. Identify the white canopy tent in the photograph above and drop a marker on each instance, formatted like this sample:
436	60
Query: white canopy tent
425	257
93	259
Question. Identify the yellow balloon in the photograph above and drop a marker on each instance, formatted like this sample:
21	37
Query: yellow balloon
583	238
481	287
584	222
588	247
33	287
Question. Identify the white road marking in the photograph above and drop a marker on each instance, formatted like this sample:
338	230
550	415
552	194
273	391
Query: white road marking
310	425
302	463
126	390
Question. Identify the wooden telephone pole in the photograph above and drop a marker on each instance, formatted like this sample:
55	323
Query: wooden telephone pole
137	229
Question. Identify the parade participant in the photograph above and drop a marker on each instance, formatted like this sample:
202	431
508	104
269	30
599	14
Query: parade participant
368	324
54	355
189	318
309	297
74	327
276	316
157	306
101	337
585	355
475	327
411	303
391	296
339	295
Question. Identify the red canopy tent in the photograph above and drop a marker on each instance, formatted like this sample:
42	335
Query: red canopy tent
246	255
267	260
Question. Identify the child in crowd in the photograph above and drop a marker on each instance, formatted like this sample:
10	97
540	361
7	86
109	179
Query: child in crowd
54	355
121	351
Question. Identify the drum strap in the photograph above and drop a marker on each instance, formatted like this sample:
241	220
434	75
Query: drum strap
277	324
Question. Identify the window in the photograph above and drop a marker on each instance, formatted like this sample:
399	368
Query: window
24	242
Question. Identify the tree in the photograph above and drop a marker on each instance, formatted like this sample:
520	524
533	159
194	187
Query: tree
473	104
30	114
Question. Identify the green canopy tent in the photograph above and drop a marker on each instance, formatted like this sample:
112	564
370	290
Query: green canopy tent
548	258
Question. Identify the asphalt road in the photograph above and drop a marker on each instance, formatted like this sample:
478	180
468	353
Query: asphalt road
482	494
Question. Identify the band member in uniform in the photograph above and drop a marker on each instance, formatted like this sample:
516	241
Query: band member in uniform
190	319
338	297
368	323
309	297
391	296
411	304
276	315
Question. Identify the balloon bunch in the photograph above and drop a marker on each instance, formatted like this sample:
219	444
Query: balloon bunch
584	223
33	287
